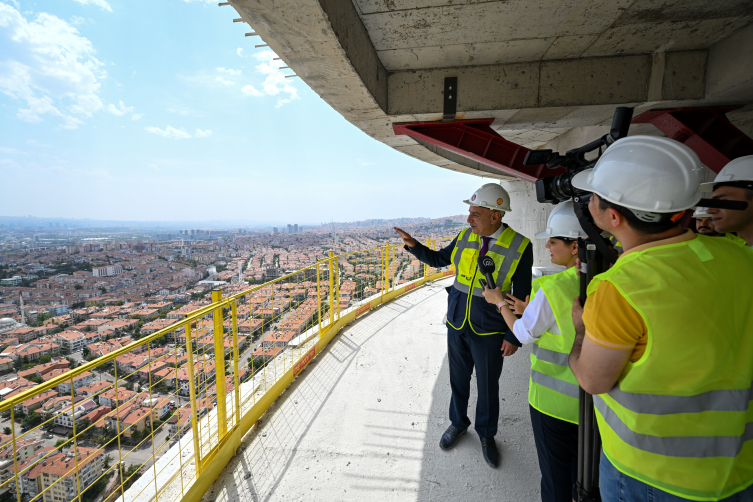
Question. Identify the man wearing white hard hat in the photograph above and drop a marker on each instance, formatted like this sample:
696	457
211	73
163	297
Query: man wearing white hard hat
703	224
671	383
477	336
547	323
734	182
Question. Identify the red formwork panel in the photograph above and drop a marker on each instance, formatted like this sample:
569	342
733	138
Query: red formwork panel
706	130
474	139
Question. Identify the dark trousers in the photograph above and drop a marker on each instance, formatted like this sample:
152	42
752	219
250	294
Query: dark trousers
466	350
557	448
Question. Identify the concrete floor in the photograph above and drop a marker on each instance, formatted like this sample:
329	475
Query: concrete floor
364	422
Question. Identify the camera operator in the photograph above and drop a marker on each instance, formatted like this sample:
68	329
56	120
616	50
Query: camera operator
734	182
477	336
547	323
704	225
671	383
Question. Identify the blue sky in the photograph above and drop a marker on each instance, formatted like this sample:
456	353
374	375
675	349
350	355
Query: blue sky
163	110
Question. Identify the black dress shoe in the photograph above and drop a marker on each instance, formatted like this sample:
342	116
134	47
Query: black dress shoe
489	449
450	437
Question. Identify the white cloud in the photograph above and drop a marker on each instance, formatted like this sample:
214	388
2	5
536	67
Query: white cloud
123	110
98	3
250	90
222	80
274	84
50	67
203	134
34	142
169	132
136	116
14	151
240	52
229	71
77	20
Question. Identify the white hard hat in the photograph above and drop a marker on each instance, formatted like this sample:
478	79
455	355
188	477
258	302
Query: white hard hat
562	222
491	196
740	169
701	212
646	173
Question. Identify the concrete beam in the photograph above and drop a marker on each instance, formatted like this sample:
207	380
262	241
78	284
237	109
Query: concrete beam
730	75
327	45
553	84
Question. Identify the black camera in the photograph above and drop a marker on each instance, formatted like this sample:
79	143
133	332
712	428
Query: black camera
559	188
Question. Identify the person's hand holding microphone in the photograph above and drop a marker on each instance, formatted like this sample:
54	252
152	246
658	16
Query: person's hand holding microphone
407	239
493	295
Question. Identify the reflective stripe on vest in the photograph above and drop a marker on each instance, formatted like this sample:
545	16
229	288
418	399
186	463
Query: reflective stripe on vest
680	418
675	446
504	258
553	389
506	252
616	244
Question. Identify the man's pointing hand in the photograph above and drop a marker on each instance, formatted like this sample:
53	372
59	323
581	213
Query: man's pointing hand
407	239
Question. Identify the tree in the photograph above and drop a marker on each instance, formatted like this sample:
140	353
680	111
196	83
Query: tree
86	351
32	420
108	461
59	445
45	359
7	431
78	286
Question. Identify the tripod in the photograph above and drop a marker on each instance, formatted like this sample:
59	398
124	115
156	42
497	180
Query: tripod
595	258
589	441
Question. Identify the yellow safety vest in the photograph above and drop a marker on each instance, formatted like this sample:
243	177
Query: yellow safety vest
616	244
680	418
553	389
735	239
506	253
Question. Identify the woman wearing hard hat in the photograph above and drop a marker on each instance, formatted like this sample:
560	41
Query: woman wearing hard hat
547	323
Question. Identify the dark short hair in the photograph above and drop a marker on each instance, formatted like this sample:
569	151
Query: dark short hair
564	239
644	227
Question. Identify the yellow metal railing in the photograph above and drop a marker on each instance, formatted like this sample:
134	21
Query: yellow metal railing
159	418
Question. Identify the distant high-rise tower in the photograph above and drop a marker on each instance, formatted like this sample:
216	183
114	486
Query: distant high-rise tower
274	230
295	228
290	228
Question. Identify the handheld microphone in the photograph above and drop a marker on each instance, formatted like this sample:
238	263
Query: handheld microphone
486	266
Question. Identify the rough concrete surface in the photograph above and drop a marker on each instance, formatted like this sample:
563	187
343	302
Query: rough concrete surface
538	68
364	420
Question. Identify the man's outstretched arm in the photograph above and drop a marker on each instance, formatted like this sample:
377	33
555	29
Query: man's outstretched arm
441	258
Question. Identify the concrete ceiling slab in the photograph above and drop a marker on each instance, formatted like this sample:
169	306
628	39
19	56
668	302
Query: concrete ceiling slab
674	36
490	22
486	53
571	46
542	70
643	11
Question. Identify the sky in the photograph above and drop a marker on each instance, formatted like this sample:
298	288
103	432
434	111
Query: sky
155	111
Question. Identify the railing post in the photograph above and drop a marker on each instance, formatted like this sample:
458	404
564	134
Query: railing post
192	395
337	285
331	264
219	365
386	267
236	364
319	299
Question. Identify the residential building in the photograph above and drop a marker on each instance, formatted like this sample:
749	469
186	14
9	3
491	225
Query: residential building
58	473
72	341
79	381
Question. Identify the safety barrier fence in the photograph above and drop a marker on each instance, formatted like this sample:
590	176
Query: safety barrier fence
157	419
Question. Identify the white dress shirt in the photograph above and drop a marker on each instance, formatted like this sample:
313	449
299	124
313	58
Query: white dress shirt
537	319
